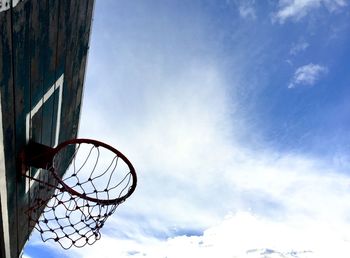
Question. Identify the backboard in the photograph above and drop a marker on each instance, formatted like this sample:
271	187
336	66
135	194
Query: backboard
43	46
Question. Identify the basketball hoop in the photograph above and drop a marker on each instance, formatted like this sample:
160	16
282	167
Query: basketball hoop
97	179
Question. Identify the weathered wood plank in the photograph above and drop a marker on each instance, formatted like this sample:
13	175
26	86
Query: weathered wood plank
49	72
37	62
83	56
22	74
19	44
71	43
7	101
53	75
76	67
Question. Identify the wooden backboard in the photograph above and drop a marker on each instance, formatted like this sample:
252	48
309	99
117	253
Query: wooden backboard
43	46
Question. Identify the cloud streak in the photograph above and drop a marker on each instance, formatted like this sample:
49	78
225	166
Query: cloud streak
247	10
297	9
307	75
298	47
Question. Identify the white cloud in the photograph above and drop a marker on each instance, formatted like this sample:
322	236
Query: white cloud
307	75
298	47
314	224
247	12
246	9
297	9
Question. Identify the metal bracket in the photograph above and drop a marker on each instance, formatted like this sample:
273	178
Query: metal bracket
36	155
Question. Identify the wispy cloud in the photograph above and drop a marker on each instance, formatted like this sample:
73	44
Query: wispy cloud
297	9
247	10
298	47
307	75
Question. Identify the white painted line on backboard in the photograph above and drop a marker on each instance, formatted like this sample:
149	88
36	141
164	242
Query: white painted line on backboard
3	192
58	122
43	100
5	4
31	182
57	85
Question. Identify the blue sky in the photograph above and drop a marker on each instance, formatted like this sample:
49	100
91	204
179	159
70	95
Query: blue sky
236	117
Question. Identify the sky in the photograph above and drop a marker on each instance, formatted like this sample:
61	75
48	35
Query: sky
235	114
